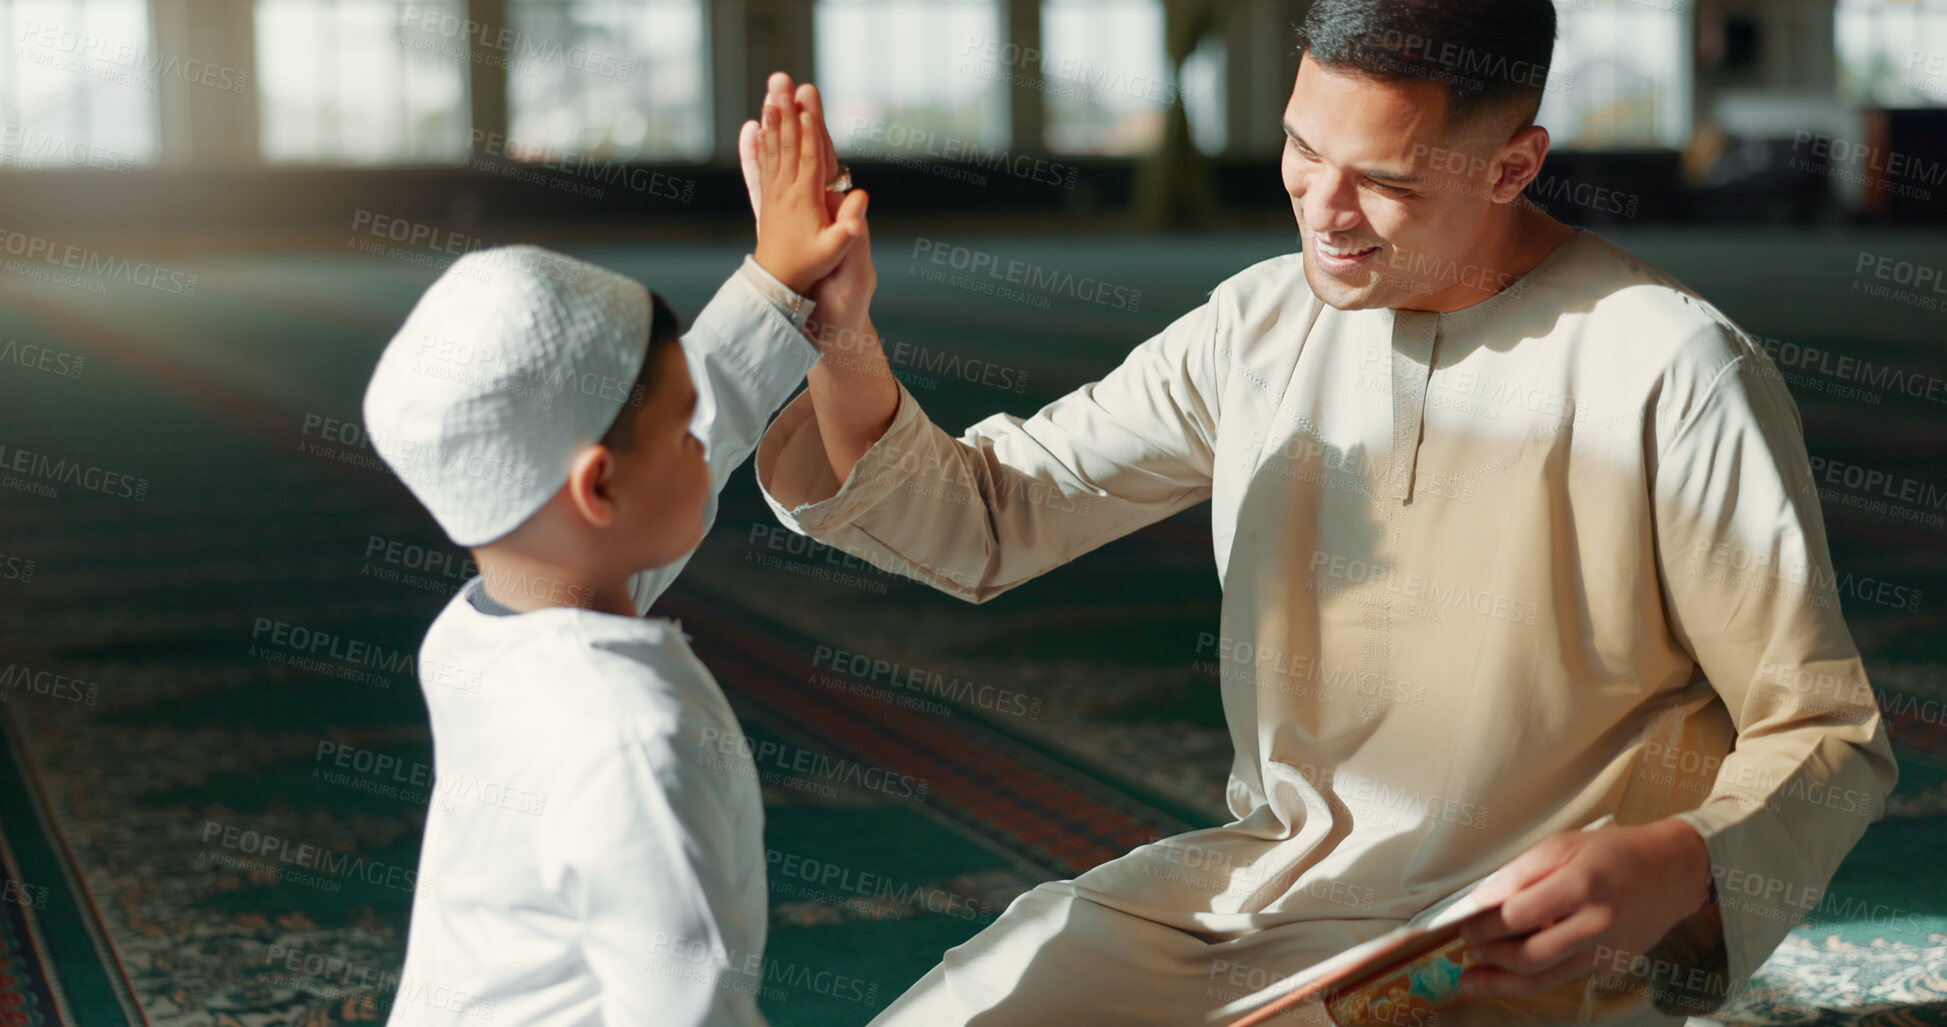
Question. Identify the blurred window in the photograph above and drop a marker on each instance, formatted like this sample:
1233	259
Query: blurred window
78	84
1621	75
624	80
363	81
1893	54
1203	94
925	78
1105	75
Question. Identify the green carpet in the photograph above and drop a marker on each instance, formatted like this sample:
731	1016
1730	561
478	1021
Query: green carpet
259	509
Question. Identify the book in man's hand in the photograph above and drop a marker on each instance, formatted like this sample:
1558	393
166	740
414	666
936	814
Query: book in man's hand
1395	980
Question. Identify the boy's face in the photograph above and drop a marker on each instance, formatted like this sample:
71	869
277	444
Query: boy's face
662	481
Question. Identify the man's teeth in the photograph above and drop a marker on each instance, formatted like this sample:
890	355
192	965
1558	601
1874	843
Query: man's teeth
1332	251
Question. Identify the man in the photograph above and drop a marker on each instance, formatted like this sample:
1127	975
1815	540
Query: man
1515	534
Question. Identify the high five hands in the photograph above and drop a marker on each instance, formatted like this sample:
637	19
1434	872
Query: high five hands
852	387
787	161
844	295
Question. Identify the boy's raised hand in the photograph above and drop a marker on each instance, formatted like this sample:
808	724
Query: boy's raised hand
802	231
750	140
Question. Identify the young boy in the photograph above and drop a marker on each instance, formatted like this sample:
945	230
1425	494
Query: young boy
589	857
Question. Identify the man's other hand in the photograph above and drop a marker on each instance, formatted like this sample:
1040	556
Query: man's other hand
1613	889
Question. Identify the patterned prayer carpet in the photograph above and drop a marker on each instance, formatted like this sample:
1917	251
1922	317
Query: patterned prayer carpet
162	722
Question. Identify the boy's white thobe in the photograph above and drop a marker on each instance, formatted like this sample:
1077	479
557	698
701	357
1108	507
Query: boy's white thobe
1488	576
594	849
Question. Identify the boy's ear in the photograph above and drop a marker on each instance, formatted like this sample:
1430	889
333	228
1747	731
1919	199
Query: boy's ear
589	479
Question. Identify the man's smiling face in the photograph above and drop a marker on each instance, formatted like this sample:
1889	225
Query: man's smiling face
1371	166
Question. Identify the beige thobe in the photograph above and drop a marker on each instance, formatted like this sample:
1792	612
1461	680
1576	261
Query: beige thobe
1488	576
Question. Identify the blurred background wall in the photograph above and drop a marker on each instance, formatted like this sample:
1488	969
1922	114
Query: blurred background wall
188	117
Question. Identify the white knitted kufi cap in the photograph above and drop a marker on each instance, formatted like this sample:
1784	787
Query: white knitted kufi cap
514	359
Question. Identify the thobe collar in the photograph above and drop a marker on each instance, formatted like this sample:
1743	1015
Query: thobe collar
1414	332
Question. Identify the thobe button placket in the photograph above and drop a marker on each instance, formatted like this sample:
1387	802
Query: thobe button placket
1412	369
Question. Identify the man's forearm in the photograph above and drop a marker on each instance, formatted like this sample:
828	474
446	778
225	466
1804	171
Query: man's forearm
852	392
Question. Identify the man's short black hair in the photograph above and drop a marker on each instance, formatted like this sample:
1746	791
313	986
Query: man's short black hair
1490	54
664	330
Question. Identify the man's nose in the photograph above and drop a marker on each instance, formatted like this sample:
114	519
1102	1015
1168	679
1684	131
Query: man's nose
1330	202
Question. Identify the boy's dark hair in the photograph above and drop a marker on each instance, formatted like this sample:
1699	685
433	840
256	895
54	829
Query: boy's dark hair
664	330
1490	54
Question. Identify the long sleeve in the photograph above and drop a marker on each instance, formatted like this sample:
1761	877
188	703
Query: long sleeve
645	852
747	354
1012	499
1750	593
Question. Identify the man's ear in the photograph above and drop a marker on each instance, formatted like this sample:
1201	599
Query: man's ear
1520	163
590	481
